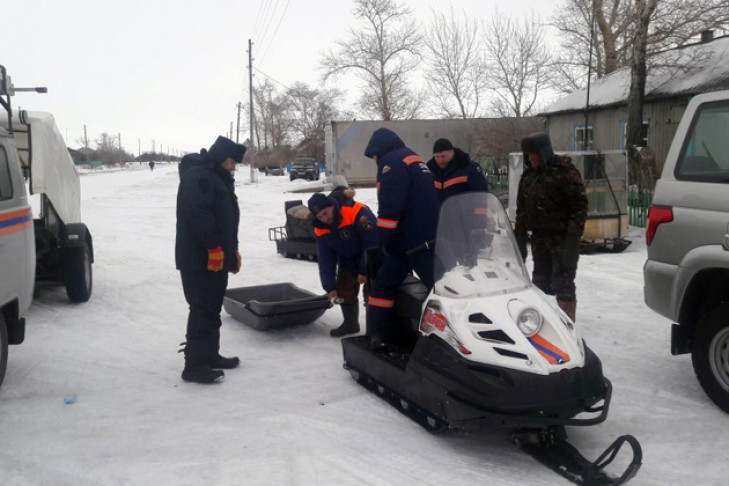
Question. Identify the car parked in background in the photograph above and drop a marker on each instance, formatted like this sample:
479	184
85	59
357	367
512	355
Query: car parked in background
274	171
304	168
687	271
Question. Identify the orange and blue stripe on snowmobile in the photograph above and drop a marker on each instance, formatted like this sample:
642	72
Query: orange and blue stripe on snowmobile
548	350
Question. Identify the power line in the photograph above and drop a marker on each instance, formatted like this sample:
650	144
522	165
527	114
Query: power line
270	42
261	8
268	23
269	77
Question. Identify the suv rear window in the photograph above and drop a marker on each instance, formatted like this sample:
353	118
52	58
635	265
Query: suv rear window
705	153
6	187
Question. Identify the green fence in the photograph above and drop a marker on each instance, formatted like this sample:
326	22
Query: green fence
638	204
500	182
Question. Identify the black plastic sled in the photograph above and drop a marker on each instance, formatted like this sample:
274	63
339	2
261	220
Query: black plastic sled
297	238
273	306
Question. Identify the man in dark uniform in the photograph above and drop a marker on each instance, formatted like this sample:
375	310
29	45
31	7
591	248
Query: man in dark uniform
206	249
343	233
454	171
407	218
552	205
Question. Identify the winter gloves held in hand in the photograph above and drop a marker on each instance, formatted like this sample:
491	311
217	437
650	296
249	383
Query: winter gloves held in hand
216	260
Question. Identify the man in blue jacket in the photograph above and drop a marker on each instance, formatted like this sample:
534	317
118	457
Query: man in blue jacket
407	218
343	233
206	249
454	171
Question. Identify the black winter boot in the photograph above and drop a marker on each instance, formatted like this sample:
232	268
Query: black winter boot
214	359
195	368
202	374
351	321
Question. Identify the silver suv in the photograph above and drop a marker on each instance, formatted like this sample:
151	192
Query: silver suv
687	271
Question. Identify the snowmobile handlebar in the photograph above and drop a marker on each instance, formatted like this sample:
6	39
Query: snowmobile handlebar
425	246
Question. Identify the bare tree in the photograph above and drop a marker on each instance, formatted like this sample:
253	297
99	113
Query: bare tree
308	110
382	52
673	23
638	72
456	72
517	61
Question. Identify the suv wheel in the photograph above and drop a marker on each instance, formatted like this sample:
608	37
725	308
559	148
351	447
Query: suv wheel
710	355
3	347
77	273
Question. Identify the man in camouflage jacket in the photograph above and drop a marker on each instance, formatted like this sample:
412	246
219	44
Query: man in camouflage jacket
551	205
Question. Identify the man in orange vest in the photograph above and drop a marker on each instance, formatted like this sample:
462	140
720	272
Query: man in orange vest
343	232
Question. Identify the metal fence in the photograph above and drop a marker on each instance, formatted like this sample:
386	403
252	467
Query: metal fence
638	204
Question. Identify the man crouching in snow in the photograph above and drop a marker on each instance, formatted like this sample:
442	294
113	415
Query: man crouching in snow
206	249
344	230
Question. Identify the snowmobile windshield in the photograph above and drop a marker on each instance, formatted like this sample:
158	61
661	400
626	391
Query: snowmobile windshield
475	249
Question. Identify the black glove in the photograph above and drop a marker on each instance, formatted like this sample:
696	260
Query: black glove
521	242
571	251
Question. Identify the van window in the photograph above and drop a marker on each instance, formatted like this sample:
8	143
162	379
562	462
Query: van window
6	186
705	153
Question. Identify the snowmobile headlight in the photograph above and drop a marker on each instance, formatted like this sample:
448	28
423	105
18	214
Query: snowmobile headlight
529	321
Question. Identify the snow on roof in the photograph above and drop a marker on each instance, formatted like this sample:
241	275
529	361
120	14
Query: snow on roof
686	71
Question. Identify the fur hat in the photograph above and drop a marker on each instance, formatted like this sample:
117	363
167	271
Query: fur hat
224	148
441	145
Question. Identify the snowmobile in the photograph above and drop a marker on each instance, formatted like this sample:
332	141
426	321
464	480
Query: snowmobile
487	348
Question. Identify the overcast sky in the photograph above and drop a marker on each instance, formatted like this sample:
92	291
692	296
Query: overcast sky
173	71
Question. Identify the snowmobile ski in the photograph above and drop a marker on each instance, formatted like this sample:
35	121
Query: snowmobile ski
551	448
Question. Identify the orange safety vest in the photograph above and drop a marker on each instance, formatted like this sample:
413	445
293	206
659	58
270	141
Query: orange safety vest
348	214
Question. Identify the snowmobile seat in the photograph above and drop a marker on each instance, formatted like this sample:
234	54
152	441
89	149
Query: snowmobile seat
274	305
410	297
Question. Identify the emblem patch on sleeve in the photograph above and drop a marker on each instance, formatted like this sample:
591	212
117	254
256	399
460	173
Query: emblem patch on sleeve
366	224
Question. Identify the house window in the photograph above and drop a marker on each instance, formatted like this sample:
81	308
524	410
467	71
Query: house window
643	134
579	139
6	186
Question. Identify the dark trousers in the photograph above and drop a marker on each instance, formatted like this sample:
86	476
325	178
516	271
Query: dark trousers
204	292
554	272
393	271
348	287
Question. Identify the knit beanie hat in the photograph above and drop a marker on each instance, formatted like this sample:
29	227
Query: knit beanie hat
319	201
441	145
224	148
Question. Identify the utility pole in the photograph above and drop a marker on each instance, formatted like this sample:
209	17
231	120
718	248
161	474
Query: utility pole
121	154
250	100
86	138
237	124
139	146
231	130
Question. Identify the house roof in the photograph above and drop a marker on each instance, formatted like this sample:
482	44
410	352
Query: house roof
702	67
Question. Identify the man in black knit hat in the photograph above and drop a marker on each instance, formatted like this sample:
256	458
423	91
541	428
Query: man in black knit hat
206	249
454	171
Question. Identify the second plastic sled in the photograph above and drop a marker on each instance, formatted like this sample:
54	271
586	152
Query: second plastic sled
274	306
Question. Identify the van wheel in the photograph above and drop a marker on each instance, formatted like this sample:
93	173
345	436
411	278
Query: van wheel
77	274
710	355
3	347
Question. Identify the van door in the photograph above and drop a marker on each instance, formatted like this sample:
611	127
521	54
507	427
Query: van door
17	244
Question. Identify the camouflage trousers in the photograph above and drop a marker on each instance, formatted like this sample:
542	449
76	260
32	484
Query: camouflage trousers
555	266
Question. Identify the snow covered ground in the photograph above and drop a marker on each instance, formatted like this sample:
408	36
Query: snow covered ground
290	414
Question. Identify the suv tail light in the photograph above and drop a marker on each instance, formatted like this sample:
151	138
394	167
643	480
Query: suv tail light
656	216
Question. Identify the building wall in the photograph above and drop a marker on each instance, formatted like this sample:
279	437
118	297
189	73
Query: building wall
609	125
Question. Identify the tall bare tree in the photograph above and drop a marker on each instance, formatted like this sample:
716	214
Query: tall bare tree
308	109
518	62
383	51
672	23
455	70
